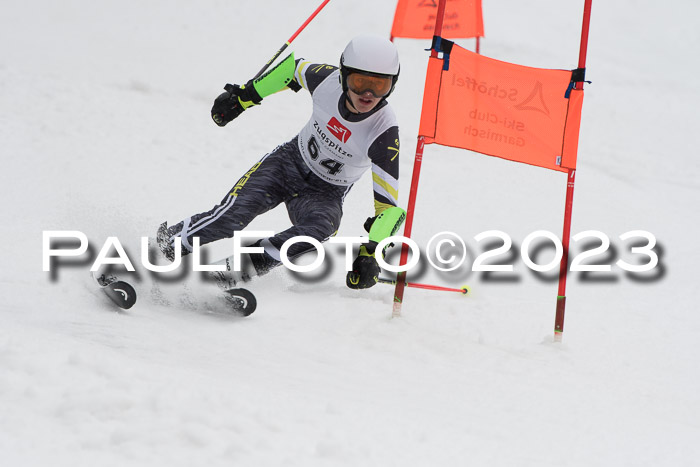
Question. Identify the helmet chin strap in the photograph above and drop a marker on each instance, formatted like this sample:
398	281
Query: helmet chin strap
349	101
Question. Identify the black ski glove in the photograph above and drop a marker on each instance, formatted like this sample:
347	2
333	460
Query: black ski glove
365	271
233	102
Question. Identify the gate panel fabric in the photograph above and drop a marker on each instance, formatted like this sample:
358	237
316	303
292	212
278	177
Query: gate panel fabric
415	19
519	113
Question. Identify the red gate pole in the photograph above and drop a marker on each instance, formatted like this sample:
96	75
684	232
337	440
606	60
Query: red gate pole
564	265
413	194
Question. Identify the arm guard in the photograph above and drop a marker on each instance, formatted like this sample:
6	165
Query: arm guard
253	92
278	78
383	226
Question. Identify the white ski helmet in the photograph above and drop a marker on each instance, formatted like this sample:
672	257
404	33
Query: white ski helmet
370	54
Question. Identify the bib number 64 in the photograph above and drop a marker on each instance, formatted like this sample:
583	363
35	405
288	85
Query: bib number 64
332	166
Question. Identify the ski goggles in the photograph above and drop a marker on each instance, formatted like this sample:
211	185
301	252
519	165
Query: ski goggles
378	85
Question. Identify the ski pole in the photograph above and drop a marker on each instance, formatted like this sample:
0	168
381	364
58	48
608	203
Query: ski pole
289	41
464	290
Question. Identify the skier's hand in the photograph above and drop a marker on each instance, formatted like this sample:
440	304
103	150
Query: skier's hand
365	271
226	107
233	102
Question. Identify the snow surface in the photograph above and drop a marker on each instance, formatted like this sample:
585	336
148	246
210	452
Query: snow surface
105	129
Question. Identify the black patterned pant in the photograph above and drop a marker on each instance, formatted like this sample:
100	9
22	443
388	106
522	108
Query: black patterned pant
315	207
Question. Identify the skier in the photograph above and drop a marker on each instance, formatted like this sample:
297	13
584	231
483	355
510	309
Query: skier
352	128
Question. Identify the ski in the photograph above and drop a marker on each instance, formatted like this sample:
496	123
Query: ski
241	300
121	293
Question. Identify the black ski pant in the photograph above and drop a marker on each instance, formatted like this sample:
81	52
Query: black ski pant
315	207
